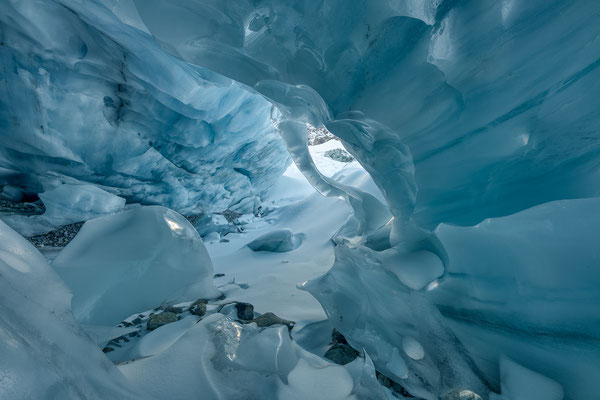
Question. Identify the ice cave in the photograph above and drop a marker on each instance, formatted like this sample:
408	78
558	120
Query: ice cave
300	199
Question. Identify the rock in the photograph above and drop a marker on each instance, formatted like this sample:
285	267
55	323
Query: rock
174	310
269	319
388	383
107	349
460	394
198	307
219	275
341	354
245	311
340	155
337	337
158	320
136	321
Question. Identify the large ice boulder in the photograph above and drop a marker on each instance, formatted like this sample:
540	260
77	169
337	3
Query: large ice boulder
44	354
72	202
134	260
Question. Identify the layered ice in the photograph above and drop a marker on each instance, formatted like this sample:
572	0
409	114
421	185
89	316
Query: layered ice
134	260
88	99
44	354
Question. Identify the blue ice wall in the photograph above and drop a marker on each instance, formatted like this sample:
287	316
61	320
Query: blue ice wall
101	102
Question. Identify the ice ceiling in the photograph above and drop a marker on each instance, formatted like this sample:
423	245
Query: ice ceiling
478	120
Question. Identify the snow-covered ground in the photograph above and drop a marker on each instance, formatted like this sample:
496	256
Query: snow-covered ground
270	278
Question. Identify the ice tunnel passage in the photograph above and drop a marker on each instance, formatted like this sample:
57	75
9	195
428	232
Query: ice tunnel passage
463	259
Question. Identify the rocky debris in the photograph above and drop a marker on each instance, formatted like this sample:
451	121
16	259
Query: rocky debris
158	320
270	319
58	237
340	155
231	215
460	394
341	354
193	218
393	386
219	275
319	135
174	310
136	321
337	337
198	307
245	311
35	208
107	349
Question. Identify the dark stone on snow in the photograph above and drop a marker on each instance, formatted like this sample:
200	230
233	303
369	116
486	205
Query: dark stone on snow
245	311
136	321
158	320
270	319
198	307
341	354
219	275
337	337
107	349
174	310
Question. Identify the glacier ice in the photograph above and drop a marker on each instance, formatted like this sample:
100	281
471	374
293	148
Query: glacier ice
79	202
476	119
131	261
44	354
94	100
221	358
66	204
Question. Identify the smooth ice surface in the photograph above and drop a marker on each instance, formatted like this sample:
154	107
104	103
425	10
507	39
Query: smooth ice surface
221	358
134	260
280	241
520	383
44	354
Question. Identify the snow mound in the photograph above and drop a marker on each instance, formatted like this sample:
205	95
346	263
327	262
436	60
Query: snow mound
134	260
279	241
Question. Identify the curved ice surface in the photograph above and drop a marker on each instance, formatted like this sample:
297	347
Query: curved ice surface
95	100
134	260
44	353
220	358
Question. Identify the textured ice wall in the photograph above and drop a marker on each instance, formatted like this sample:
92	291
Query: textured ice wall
461	111
99	101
